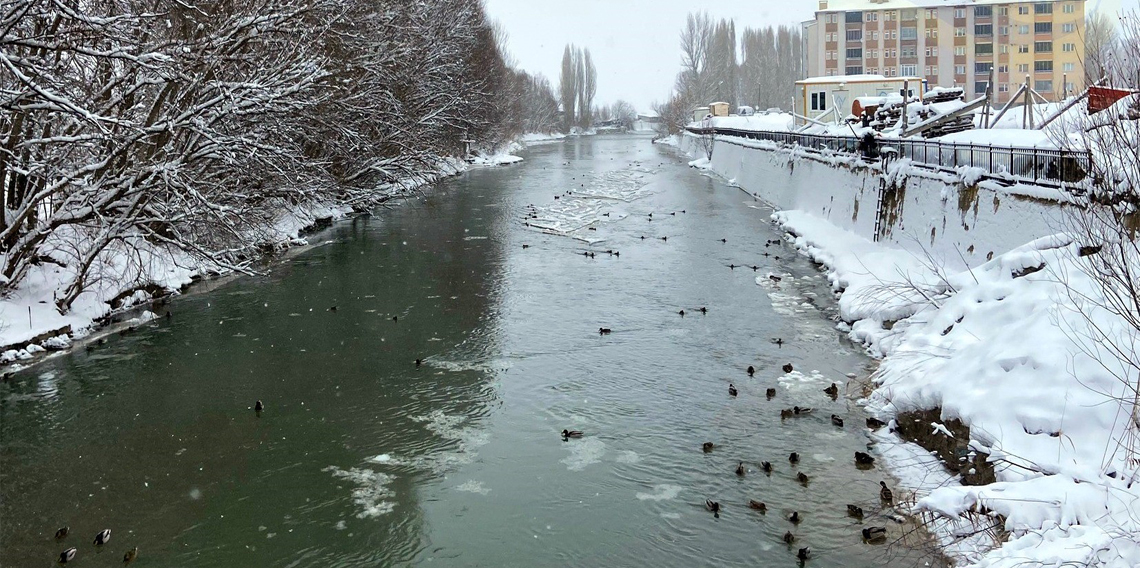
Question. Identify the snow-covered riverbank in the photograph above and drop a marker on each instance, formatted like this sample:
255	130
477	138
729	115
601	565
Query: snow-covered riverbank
1021	351
134	274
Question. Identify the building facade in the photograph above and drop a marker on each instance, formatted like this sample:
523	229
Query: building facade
953	43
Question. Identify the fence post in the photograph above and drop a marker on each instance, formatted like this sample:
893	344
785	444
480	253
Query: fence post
1034	163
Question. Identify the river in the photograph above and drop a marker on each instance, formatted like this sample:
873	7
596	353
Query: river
363	458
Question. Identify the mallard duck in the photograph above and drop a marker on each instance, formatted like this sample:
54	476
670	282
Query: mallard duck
571	434
604	331
258	406
795	518
681	313
875	423
396	318
61	533
832	391
740	469
67	555
804	553
863	458
732	389
419	362
770	393
704	310
131	555
707	447
766	467
779	341
801	409
794	458
757	506
789	537
724	240
103	537
836	420
855	511
713	506
786	413
774	278
885	493
332	309
875	533
751	370
788	368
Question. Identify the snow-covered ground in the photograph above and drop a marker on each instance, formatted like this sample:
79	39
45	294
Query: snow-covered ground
1042	375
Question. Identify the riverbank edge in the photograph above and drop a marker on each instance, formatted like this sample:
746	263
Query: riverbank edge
293	225
978	521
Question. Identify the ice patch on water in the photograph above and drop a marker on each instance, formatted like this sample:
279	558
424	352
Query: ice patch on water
670	515
584	453
662	492
796	379
583	208
371	491
341	525
822	458
628	457
473	487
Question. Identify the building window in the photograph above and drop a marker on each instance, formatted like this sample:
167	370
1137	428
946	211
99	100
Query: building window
983	11
984	49
1004	30
854	35
894	34
1068	28
1043	8
959	69
1043	66
984	29
932	14
1023	10
872	16
1022	67
960	13
960	50
1069	8
983	67
1043	86
909	33
1043	28
891	72
854	17
854	70
1069	47
1003	88
855	53
1023	48
1003	11
1004	48
928	52
1068	67
909	70
1023	30
1003	68
1043	47
874	36
980	87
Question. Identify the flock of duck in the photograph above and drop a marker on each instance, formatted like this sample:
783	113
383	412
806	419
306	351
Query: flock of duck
101	539
863	460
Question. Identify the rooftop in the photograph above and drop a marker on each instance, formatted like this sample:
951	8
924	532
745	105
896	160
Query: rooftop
856	79
853	5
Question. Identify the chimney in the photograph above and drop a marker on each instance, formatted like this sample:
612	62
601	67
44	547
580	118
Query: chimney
822	4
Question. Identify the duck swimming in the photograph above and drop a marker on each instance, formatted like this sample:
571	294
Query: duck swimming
67	555
832	391
875	533
788	368
794	458
740	469
863	458
103	537
751	370
875	423
804	553
800	477
795	517
786	413
713	506
885	493
855	511
800	410
757	506
131	555
707	447
836	420
789	537
61	533
770	393
766	467
572	434
732	389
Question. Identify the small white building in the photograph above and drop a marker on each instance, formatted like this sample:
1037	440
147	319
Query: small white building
832	98
700	113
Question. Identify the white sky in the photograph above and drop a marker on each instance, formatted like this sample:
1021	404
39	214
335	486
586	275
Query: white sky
635	42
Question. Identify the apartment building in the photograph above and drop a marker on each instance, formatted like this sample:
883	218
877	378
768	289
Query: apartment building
952	43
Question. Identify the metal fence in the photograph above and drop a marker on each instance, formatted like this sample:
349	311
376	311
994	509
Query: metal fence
1052	166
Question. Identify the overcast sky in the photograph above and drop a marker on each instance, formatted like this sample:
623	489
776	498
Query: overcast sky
635	42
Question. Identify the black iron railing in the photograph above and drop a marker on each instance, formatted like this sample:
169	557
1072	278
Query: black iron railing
1057	166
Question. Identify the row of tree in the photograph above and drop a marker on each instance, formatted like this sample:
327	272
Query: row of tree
761	71
131	124
578	84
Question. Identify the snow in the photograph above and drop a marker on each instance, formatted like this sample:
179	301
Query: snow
843	79
778	122
1015	138
1023	362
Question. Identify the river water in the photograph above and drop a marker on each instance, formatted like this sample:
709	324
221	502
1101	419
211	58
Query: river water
361	458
